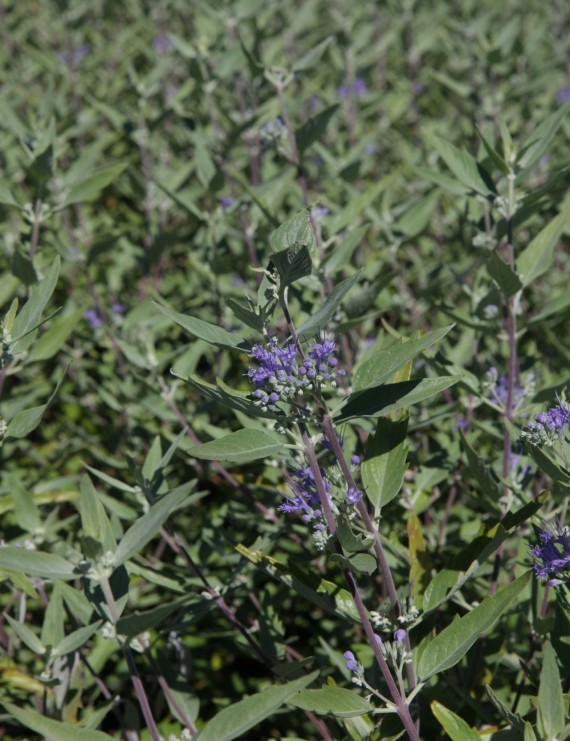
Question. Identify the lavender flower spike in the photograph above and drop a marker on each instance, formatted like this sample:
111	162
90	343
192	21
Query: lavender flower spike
552	557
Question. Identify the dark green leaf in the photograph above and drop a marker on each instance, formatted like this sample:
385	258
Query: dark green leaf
318	322
334	701
508	281
314	129
238	447
204	330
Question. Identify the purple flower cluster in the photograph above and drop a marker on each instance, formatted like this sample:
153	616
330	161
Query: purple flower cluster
552	557
306	497
548	427
280	373
358	87
497	387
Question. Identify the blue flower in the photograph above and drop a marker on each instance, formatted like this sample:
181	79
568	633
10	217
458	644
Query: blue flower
552	557
93	318
399	635
351	663
547	426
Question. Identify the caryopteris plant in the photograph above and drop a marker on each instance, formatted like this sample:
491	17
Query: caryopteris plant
284	419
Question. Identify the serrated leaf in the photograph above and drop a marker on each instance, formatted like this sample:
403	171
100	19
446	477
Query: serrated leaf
508	281
449	646
295	232
36	563
385	462
147	526
28	319
455	727
89	188
464	167
292	264
238	447
314	129
319	320
52	730
550	701
234	721
536	258
204	330
383	364
334	701
382	400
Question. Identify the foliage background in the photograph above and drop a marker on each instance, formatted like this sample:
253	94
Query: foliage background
139	144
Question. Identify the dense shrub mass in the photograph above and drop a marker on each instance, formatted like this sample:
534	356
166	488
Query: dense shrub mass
283	421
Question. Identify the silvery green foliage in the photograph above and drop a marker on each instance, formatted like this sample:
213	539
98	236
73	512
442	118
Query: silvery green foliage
283	422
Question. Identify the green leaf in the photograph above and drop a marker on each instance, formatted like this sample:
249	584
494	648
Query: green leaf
246	314
36	563
465	167
341	253
27	420
449	646
238	447
512	719
488	483
319	320
417	217
6	197
292	264
23	269
356	205
52	730
98	535
349	540
89	188
234	721
204	330
51	342
455	727
314	129
145	528
537	143
508	281
226	396
134	624
381	400
334	701
312	57
27	636
363	562
550	701
383	364
27	321
76	640
536	258
496	158
385	462
293	233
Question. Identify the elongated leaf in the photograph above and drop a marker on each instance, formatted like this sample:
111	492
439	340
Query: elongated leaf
465	167
98	535
550	702
318	321
535	260
455	727
25	324
89	188
381	400
52	730
36	563
383	364
76	639
508	281
312	57
340	255
357	205
27	636
204	330
537	143
314	129
234	721
6	197
241	446
227	397
384	462
513	719
145	528
484	475
449	646
334	701
51	342
27	420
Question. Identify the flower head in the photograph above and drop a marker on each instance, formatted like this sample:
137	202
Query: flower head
548	427
351	662
552	556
